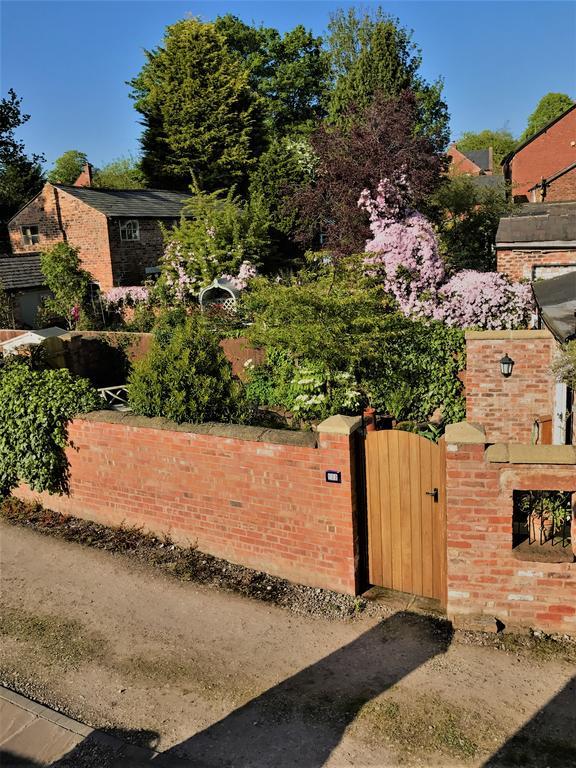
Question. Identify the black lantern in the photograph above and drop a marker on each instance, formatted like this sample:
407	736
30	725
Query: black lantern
506	365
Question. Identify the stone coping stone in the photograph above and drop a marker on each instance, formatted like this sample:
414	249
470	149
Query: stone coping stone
541	333
465	433
339	425
233	431
516	453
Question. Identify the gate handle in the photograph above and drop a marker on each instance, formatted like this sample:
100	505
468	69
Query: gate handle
433	493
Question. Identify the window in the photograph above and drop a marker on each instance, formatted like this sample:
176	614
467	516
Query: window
30	234
541	525
129	230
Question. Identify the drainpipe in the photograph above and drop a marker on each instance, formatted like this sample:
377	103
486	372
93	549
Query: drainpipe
59	215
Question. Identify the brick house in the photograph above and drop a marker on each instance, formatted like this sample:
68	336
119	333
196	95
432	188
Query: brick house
560	186
473	163
117	231
542	156
538	241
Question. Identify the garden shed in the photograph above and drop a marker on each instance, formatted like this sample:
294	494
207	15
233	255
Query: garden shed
10	347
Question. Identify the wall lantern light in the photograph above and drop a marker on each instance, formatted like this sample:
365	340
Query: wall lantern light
506	365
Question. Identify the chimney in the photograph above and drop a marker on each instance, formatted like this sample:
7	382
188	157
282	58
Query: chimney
85	178
490	162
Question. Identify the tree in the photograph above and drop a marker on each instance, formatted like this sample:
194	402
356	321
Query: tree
201	117
377	143
21	177
502	142
123	173
185	377
468	218
6	309
373	54
69	285
549	107
67	167
290	72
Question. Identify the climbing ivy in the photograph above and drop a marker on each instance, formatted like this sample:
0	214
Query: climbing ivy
36	408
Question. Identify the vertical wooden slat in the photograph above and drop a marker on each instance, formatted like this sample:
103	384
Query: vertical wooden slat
405	529
395	537
416	515
386	535
441	543
426	485
373	466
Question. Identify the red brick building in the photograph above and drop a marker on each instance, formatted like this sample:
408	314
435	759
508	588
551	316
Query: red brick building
117	230
542	156
560	186
538	241
473	163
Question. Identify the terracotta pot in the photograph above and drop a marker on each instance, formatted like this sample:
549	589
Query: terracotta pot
369	419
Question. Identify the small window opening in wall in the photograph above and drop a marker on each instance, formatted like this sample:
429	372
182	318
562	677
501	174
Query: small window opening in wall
129	230
30	234
541	524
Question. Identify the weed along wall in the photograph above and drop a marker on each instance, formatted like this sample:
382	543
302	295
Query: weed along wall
488	577
253	496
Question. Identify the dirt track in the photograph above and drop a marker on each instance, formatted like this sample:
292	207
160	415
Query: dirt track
229	681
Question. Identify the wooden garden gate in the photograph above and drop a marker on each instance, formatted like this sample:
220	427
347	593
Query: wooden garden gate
406	495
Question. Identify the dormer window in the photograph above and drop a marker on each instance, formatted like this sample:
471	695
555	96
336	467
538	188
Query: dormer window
129	230
30	234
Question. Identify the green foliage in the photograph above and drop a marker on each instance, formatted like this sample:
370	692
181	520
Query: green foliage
289	72
69	285
564	365
123	173
185	376
67	167
549	107
6	309
468	216
216	234
502	142
36	407
371	53
21	177
202	118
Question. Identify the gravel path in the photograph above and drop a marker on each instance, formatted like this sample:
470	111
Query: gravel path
219	679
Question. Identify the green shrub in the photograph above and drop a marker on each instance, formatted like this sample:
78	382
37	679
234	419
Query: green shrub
185	376
69	285
36	408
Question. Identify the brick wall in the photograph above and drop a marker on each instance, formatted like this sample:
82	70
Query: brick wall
253	496
130	258
519	264
486	580
544	155
507	407
562	188
460	164
53	210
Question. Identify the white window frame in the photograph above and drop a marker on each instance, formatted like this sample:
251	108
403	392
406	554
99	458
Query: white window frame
130	230
30	238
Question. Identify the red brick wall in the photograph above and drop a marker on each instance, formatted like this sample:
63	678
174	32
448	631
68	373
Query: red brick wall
8	333
485	579
460	164
518	264
85	229
562	188
544	156
263	504
130	258
507	407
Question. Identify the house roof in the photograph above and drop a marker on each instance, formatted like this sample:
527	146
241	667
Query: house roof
21	271
550	179
527	141
497	182
480	157
539	223
556	299
143	203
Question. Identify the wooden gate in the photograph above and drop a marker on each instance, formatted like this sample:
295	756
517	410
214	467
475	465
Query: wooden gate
406	494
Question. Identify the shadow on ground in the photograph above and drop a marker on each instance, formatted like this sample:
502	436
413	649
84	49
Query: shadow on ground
548	740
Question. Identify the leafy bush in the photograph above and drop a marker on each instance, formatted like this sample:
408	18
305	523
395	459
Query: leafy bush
564	365
36	408
69	285
185	376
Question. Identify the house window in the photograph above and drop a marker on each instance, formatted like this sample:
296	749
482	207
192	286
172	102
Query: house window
30	234
129	230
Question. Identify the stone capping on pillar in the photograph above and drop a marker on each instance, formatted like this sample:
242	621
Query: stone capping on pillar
465	433
339	425
540	333
515	453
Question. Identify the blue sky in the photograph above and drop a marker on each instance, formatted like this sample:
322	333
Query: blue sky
70	60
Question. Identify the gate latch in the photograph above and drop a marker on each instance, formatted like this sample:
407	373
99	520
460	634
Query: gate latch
433	493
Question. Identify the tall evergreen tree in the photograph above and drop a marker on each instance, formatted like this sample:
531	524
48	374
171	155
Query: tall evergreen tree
200	114
21	177
372	53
